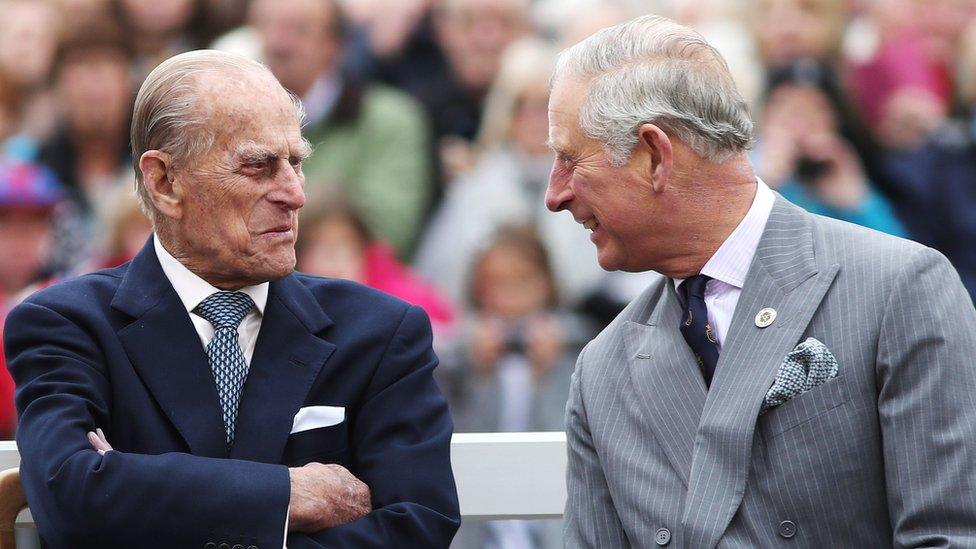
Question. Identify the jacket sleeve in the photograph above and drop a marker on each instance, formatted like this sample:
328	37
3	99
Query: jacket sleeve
82	499
927	405
401	445
590	520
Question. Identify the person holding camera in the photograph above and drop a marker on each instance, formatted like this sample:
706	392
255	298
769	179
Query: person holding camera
803	155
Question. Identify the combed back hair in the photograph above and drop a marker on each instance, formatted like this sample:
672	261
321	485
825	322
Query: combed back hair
653	70
170	116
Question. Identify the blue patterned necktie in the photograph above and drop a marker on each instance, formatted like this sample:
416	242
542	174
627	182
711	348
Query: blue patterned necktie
225	310
696	328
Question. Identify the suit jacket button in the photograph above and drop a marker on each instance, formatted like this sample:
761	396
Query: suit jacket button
787	529
662	537
252	547
223	546
238	546
210	545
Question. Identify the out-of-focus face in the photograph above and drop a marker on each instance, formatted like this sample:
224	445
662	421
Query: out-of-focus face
475	33
788	30
159	16
333	248
28	39
530	123
25	243
799	110
297	40
616	204
238	215
509	284
96	93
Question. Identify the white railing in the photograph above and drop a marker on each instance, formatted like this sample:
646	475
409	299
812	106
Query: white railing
498	475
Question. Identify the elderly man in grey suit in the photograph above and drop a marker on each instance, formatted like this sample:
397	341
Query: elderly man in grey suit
790	380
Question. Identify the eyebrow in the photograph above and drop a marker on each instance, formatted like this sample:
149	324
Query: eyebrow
250	151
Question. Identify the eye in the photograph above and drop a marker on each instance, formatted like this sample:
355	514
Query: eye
254	168
296	162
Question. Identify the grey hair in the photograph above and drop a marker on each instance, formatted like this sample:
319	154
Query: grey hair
170	116
652	69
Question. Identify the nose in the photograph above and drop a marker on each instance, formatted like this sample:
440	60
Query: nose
559	192
290	189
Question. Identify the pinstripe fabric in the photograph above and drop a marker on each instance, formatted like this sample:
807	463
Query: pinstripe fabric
882	455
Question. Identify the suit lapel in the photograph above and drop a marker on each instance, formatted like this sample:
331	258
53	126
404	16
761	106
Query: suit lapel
165	351
785	276
287	359
658	357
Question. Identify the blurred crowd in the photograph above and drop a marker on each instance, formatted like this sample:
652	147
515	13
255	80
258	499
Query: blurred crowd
429	123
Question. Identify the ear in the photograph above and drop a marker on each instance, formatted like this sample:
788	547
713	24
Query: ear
164	189
657	145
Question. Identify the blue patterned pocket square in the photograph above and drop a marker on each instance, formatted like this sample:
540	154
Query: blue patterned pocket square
810	364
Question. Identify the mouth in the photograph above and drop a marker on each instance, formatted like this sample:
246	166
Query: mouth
280	231
591	224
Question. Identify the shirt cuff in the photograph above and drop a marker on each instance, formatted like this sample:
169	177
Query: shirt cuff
284	543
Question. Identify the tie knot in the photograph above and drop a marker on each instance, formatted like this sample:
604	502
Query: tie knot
695	285
225	309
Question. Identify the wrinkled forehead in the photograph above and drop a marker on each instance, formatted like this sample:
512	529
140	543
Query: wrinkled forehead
249	107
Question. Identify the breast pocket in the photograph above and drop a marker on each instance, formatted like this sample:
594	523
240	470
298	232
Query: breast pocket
324	445
804	408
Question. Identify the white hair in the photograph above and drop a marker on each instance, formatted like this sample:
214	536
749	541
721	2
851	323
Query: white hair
652	69
170	116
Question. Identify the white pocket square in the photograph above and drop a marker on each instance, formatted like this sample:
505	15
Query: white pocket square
313	417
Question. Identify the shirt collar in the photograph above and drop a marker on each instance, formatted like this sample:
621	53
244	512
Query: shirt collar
730	263
192	289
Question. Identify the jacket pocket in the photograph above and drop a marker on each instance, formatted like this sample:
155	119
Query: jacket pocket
317	445
804	407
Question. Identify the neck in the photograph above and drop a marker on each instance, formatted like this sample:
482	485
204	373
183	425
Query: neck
194	265
716	200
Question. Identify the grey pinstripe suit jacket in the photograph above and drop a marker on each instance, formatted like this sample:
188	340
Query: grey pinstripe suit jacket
882	455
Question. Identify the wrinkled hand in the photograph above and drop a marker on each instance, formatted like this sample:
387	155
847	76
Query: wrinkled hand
323	496
98	441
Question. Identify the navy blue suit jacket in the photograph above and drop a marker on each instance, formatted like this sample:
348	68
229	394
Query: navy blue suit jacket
116	349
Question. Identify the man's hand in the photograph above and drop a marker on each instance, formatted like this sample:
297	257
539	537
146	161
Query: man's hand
323	496
98	441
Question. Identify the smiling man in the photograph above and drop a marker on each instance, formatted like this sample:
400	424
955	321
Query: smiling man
790	379
205	395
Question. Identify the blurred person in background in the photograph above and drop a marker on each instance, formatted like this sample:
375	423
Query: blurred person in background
802	154
372	139
511	367
903	55
127	228
28	197
507	184
10	100
937	178
90	150
29	32
473	34
158	29
335	242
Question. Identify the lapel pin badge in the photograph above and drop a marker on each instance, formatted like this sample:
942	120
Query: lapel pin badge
765	317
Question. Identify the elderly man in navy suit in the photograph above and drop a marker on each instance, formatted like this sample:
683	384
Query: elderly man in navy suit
205	395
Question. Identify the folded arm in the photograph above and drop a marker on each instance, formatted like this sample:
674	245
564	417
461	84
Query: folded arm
401	450
81	497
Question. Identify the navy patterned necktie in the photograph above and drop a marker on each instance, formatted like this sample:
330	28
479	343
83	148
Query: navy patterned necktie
696	328
225	310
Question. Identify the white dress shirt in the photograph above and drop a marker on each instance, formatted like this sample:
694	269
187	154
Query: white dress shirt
730	264
192	290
